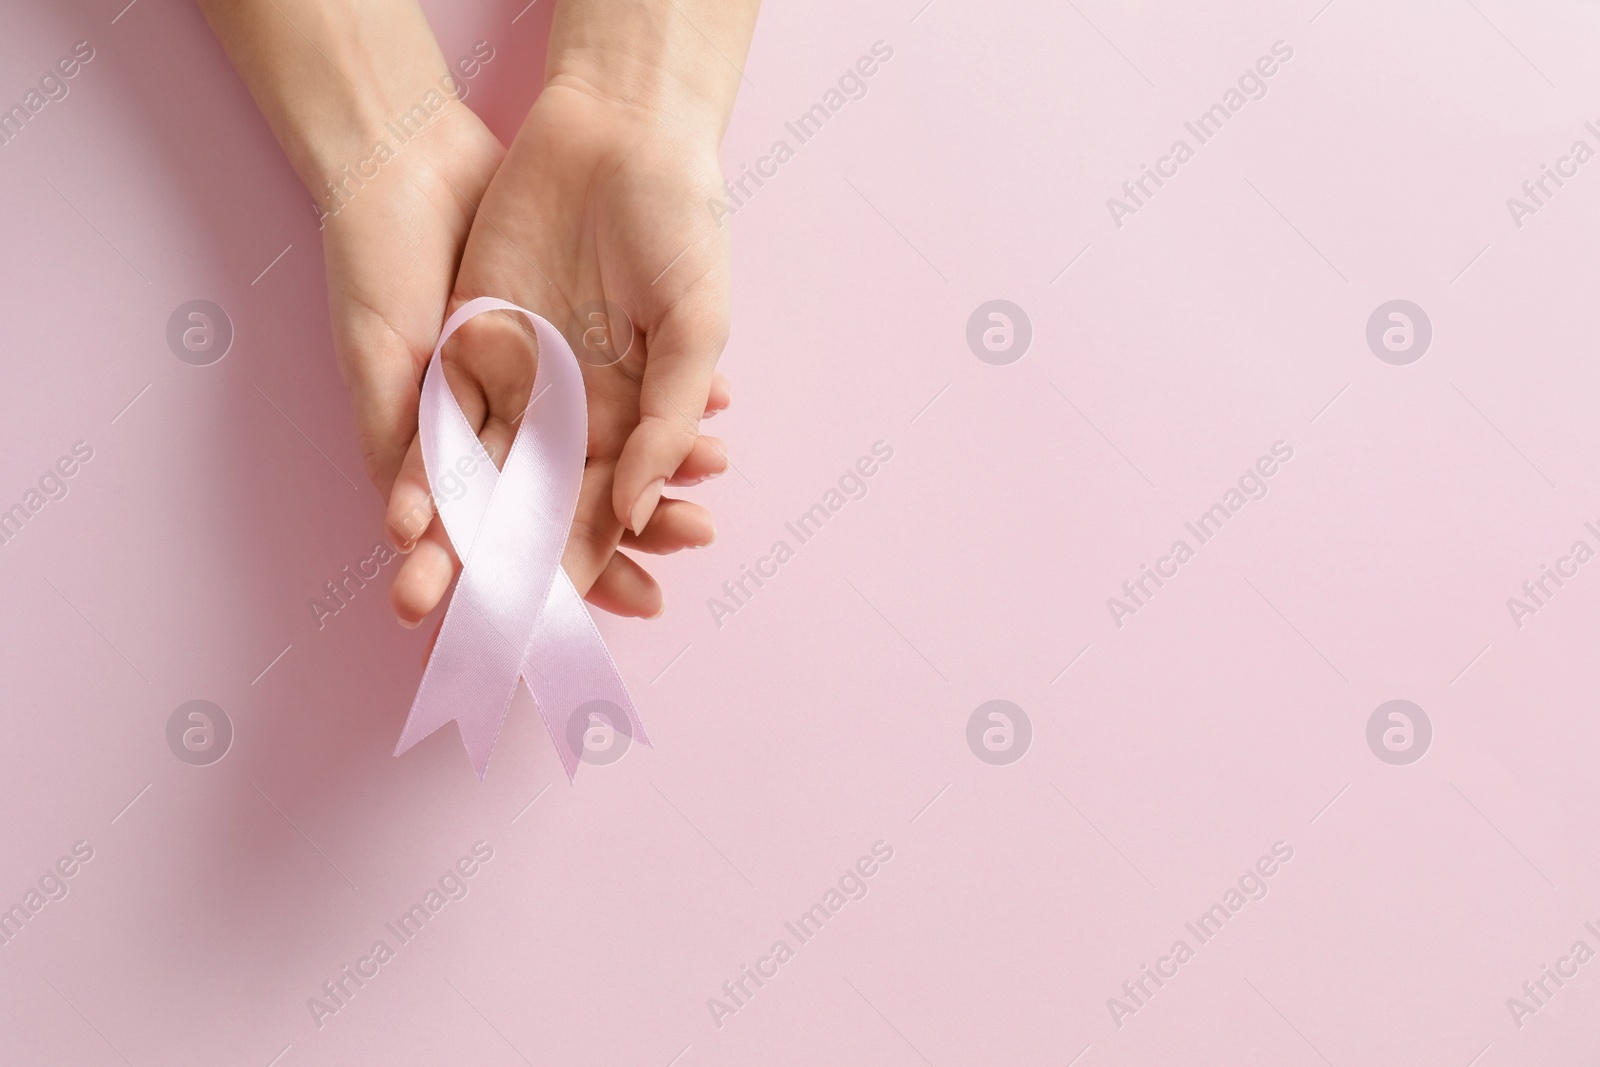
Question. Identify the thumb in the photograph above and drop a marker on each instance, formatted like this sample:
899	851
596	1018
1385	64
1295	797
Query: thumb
681	359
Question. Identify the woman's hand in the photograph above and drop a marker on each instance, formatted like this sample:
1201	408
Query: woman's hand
598	220
392	245
366	110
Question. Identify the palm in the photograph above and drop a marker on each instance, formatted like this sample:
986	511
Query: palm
588	207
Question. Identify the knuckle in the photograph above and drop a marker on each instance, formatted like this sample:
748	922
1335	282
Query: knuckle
673	431
412	522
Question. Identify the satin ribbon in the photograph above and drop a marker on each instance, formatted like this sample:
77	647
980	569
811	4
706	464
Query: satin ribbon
515	614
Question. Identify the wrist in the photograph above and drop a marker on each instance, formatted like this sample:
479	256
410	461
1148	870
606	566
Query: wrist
351	140
330	74
677	63
389	96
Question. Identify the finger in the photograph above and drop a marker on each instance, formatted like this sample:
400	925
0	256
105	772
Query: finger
707	459
384	380
493	356
410	511
677	524
721	395
624	588
682	356
595	531
411	502
423	578
495	436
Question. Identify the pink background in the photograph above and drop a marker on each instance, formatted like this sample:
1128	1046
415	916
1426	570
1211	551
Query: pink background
830	712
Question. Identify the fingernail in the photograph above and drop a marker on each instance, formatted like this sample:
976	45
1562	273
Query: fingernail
645	506
659	612
408	625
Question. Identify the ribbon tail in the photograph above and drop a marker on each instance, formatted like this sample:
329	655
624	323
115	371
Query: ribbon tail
460	684
570	674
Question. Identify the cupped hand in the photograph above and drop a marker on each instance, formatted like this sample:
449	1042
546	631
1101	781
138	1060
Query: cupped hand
392	245
598	220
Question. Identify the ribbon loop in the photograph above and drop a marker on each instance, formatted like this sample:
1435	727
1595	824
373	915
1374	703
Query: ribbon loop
515	614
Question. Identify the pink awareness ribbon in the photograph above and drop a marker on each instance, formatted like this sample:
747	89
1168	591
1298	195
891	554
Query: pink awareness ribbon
515	614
